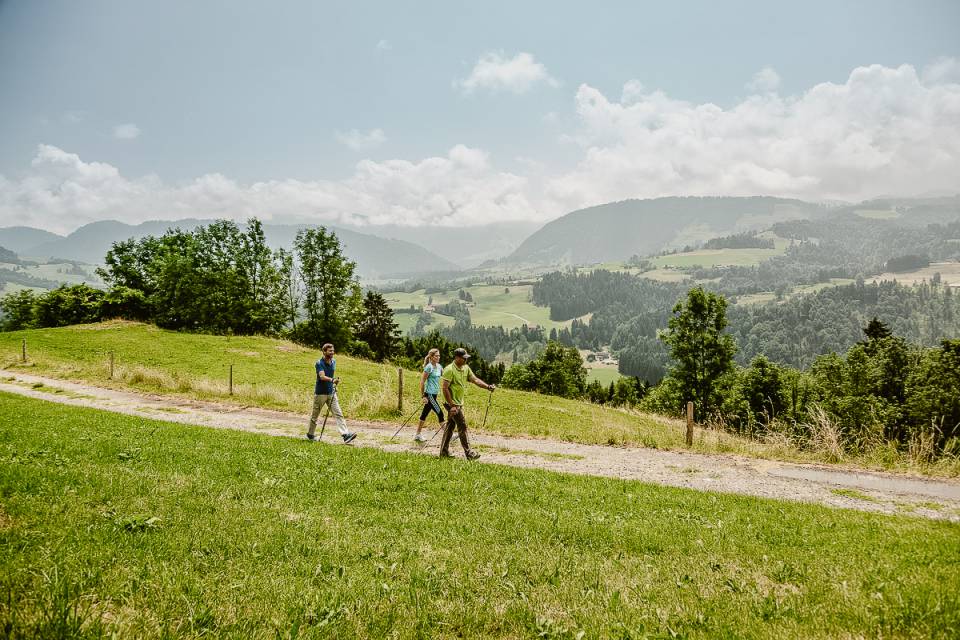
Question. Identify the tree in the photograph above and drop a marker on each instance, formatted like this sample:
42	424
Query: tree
66	305
19	310
289	287
331	293
701	351
558	371
763	390
932	398
377	328
875	330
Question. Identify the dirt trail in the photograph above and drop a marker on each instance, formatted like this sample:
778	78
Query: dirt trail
863	490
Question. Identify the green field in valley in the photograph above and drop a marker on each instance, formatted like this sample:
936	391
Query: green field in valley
495	305
715	258
114	526
604	375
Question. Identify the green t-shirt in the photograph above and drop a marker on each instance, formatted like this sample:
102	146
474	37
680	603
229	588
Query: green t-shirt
458	379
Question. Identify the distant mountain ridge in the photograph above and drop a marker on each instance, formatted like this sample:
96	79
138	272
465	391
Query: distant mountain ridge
20	239
376	257
618	230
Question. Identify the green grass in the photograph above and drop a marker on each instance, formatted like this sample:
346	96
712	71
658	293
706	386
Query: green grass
277	374
717	257
877	214
770	296
406	321
202	532
493	306
604	375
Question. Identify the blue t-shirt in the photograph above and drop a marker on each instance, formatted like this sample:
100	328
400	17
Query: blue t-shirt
432	385
324	387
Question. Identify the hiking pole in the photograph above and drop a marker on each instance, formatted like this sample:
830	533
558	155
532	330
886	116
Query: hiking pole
324	426
439	429
410	417
489	400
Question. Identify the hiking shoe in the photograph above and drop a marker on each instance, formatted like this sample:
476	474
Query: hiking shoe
349	437
419	439
445	455
311	436
472	455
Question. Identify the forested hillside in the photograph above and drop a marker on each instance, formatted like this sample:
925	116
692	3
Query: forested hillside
629	310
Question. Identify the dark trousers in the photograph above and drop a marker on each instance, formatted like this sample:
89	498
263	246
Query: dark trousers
432	405
454	420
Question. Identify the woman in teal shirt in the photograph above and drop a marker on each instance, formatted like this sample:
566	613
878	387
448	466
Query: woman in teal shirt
430	389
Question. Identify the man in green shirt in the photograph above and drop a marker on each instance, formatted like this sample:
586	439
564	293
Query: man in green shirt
454	381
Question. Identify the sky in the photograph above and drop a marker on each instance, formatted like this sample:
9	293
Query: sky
462	114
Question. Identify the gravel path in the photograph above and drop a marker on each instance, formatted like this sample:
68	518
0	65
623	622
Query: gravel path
833	486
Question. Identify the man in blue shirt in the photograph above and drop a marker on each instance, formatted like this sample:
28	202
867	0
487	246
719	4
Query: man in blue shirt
325	394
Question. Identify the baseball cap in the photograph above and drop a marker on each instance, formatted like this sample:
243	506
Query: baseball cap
462	353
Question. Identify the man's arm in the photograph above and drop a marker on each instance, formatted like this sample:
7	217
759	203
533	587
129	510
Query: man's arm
480	383
322	375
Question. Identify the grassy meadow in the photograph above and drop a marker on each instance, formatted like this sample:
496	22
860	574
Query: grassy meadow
603	375
508	306
277	374
114	526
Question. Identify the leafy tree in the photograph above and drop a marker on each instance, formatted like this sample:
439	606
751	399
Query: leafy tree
127	303
66	305
18	310
701	351
377	328
558	371
331	292
289	290
933	394
596	393
763	390
876	330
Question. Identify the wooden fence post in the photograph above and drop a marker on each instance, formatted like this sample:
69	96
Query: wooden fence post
231	378
23	350
400	389
689	423
111	365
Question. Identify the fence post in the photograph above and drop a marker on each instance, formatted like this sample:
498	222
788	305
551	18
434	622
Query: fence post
111	365
400	389
23	350
231	378
689	423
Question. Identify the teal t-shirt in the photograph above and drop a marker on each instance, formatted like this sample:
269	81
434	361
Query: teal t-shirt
432	385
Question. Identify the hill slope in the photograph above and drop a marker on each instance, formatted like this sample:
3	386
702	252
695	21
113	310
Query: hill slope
20	239
617	230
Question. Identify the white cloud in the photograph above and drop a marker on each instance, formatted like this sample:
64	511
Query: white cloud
60	192
882	131
384	45
764	81
127	131
360	140
495	72
73	117
942	71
